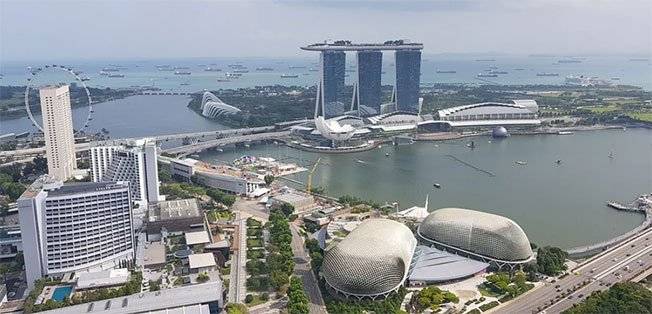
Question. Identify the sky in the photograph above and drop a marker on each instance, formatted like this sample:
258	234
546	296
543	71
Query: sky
65	30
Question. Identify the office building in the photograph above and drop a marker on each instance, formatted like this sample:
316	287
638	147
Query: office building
368	88
134	162
408	75
201	298
223	177
74	227
58	131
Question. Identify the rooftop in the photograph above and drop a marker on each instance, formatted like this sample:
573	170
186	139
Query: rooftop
197	237
345	45
433	265
104	278
154	254
201	260
181	299
168	210
58	188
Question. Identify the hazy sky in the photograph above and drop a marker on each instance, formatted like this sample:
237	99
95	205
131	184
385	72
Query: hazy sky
37	30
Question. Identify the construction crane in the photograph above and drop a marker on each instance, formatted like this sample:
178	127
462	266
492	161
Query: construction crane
309	183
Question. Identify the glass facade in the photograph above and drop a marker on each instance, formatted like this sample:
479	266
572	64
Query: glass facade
408	74
369	72
333	66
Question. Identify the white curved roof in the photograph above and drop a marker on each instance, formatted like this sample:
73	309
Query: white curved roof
333	130
488	235
373	259
517	106
212	107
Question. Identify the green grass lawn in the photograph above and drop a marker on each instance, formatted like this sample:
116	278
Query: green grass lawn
603	109
254	243
486	291
643	116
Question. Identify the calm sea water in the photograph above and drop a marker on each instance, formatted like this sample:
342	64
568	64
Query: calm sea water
131	117
562	205
144	72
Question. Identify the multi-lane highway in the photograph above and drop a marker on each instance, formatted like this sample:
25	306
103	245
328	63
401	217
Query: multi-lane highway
618	264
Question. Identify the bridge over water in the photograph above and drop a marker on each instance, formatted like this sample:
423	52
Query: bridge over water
201	146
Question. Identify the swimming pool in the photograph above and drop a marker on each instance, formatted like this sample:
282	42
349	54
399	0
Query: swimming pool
61	293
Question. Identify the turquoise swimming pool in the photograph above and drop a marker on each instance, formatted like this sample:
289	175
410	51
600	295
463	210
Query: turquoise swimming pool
61	293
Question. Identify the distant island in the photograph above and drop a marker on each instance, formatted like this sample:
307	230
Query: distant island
614	104
12	99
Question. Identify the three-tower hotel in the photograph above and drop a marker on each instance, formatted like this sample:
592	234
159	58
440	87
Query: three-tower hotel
366	100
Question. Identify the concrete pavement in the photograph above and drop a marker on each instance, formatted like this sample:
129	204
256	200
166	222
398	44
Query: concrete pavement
238	276
303	270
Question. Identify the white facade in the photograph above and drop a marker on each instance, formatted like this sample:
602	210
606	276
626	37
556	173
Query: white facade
74	227
135	162
58	131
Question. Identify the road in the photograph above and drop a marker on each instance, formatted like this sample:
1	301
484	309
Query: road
200	146
619	264
303	271
238	260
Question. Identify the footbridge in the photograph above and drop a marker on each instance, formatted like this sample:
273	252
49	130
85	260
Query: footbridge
201	146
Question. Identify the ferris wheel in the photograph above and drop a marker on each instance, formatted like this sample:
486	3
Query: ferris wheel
34	72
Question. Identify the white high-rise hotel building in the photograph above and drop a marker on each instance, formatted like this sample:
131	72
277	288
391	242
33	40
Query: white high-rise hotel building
134	162
74	227
58	131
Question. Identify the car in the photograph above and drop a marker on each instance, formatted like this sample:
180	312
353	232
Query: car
570	297
628	254
580	295
556	286
633	245
615	259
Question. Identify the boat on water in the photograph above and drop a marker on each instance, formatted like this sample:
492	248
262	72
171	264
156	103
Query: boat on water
360	161
521	163
437	185
547	74
84	79
240	71
485	60
233	75
558	161
564	133
110	69
498	72
519	69
211	69
184	84
264	69
386	154
569	61
182	73
181	68
471	145
116	75
289	76
446	71
223	80
487	75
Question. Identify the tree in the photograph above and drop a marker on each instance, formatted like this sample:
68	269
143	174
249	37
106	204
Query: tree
203	277
236	308
551	260
625	297
269	179
249	298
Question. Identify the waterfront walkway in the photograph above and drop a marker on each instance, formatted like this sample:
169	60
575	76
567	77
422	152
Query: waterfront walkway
584	251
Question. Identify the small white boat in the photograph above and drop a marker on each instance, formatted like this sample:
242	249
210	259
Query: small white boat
564	133
386	154
521	163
